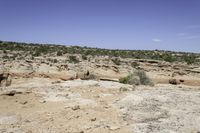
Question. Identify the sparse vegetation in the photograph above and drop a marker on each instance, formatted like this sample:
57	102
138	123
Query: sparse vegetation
168	57
59	53
138	77
4	51
84	57
134	64
189	59
123	89
43	49
116	61
55	61
90	77
73	59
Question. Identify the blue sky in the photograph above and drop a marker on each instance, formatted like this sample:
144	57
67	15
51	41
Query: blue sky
116	24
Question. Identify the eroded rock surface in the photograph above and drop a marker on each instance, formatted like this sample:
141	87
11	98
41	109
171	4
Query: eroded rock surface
41	105
162	110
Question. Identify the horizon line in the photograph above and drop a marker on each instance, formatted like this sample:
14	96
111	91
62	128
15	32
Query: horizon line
79	45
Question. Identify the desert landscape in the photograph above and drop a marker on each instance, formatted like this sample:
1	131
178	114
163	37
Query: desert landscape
72	89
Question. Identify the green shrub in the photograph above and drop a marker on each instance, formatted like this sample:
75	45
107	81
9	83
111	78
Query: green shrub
84	57
4	51
123	89
189	59
130	79
117	61
125	80
138	77
144	79
59	53
55	61
134	64
73	59
37	53
168	57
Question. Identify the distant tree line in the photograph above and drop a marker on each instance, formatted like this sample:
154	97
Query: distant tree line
43	49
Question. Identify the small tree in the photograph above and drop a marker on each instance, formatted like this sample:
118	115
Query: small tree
84	57
59	53
189	59
73	59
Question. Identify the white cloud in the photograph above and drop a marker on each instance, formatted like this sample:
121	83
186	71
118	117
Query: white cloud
156	40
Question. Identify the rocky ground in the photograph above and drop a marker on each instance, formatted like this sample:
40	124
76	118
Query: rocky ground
39	95
86	106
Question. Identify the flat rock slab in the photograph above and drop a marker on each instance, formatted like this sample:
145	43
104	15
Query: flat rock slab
9	119
162	110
